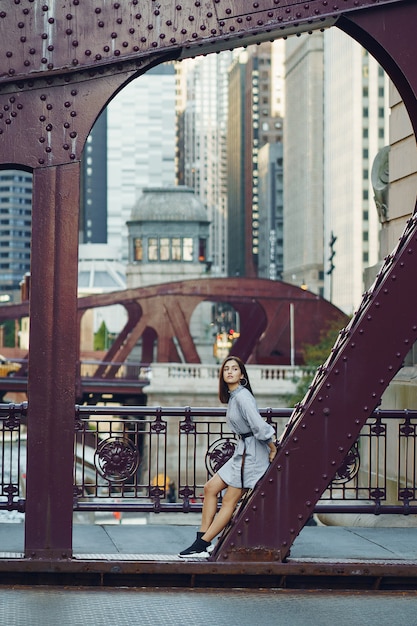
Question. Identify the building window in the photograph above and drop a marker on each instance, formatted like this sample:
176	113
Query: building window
168	249
176	249
138	249
152	249
164	249
187	248
201	250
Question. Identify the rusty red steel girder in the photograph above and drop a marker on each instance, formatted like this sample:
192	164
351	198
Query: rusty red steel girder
263	305
61	63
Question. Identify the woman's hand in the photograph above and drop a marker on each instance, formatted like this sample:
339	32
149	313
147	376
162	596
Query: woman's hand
272	451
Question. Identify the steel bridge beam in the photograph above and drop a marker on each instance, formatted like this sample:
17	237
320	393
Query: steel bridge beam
60	66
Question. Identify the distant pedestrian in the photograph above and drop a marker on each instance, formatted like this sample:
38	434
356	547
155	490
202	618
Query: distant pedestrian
254	451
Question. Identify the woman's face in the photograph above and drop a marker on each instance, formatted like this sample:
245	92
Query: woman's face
232	374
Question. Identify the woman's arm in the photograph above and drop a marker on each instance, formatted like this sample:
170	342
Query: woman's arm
272	451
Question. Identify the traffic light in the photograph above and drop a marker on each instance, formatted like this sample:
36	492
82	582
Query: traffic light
333	239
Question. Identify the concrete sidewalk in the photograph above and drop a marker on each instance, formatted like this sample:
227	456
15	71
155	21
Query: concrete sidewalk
322	543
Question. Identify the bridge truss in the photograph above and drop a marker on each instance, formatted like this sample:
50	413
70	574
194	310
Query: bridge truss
61	64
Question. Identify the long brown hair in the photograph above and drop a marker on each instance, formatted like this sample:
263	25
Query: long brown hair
224	393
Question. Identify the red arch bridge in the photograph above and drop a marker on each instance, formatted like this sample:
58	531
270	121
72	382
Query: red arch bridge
61	65
276	321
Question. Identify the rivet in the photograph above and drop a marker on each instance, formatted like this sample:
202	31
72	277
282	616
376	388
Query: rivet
324	476
308	503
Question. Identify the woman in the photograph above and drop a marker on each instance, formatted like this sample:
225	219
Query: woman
250	460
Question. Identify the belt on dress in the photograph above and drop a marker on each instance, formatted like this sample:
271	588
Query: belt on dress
244	436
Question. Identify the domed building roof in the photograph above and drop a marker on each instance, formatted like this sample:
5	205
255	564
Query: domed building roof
168	204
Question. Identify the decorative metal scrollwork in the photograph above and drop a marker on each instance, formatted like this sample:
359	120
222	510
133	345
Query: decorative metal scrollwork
218	453
116	459
349	468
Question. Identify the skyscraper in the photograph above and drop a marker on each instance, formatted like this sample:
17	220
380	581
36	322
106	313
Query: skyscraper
15	230
251	125
356	128
336	121
303	162
202	115
141	145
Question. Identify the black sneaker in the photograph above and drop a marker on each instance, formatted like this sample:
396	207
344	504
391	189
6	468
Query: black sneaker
200	549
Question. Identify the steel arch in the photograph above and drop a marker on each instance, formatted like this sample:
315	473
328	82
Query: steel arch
60	66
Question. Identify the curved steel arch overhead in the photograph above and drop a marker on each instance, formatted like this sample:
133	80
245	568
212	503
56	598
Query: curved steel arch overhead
59	66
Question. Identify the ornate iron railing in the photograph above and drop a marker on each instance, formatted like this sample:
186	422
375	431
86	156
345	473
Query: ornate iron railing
157	459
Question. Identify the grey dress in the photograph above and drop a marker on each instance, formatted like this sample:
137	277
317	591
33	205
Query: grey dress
243	416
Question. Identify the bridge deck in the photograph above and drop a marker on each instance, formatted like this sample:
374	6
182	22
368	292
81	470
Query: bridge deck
146	555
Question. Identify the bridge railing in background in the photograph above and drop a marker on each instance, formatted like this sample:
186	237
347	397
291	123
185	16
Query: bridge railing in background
157	459
126	369
192	378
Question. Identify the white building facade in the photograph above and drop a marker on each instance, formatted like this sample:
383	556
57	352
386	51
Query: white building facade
355	129
140	145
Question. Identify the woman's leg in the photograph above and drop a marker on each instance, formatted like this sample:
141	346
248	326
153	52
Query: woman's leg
212	488
223	517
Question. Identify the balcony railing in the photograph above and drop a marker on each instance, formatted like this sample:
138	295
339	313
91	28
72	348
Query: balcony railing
157	459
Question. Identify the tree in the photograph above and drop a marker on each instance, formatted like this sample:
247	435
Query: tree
101	337
315	355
